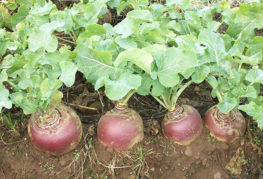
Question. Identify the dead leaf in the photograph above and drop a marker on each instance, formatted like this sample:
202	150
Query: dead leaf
237	161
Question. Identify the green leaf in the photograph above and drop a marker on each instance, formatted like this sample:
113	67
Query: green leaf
255	76
125	43
227	104
93	64
259	120
255	49
156	50
215	45
200	74
157	89
254	110
113	3
20	15
183	4
250	92
146	84
56	97
53	59
212	81
109	29
158	10
43	37
3	76
246	18
4	98
11	5
27	3
65	18
85	14
227	40
126	28
207	13
169	79
193	22
175	61
100	82
5	17
138	14
68	73
45	89
39	10
174	14
25	102
122	5
24	81
117	89
95	29
139	57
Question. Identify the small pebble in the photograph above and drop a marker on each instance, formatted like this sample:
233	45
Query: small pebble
62	162
188	151
91	129
224	146
197	88
131	176
195	103
52	173
217	175
197	156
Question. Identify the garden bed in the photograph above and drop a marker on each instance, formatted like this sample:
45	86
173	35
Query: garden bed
155	157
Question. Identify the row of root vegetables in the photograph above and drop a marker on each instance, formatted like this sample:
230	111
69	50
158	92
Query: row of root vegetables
121	128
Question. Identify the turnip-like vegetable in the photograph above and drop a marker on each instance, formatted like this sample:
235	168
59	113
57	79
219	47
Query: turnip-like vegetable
183	125
121	128
225	127
56	131
173	69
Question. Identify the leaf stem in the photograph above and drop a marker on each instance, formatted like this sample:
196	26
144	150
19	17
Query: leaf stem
166	102
160	101
179	92
219	96
239	67
125	100
68	41
11	83
74	35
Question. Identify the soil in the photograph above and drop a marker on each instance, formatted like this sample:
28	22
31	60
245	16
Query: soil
155	157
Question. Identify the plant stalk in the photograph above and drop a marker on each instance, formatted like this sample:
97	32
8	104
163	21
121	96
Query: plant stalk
72	37
239	67
166	102
160	101
179	92
219	96
68	41
125	100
